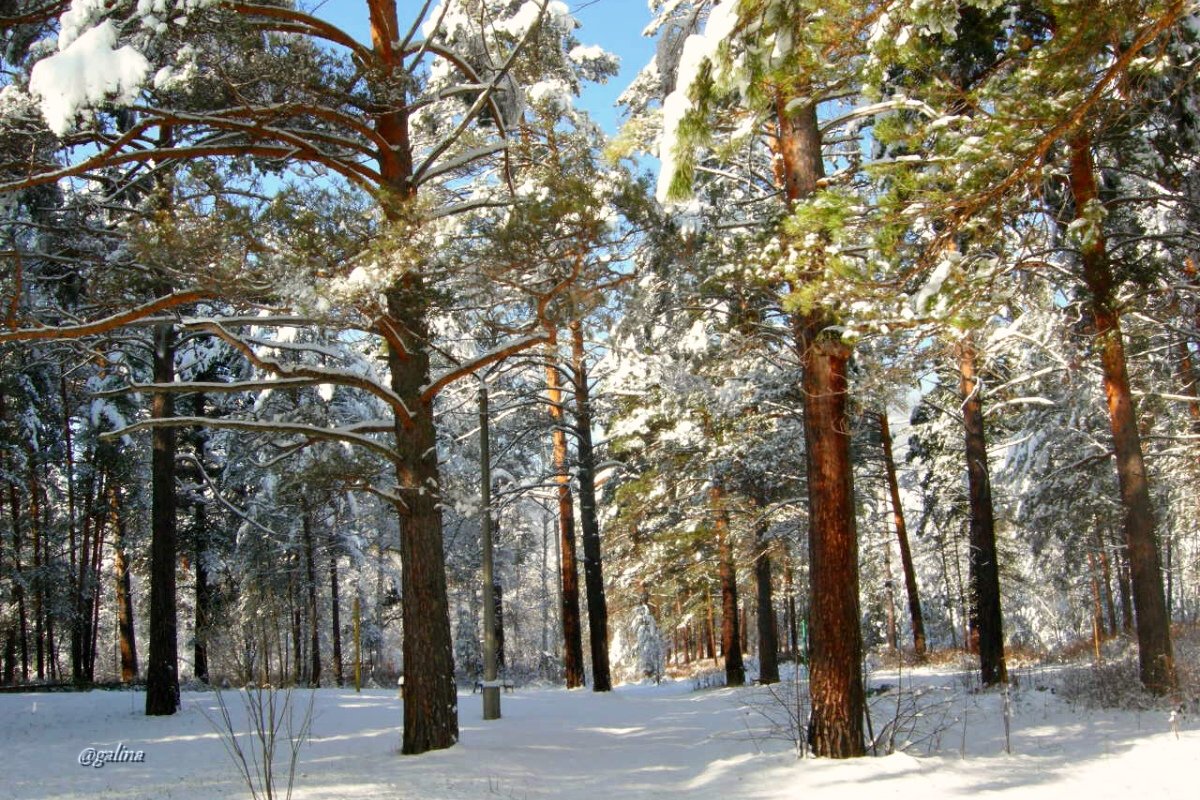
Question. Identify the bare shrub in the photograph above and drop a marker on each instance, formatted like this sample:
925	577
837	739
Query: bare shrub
273	730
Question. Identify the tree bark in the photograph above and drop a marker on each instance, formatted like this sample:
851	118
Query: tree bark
162	678
768	632
986	622
127	642
1155	655
835	658
1106	574
731	638
18	589
589	523
906	561
310	579
572	629
335	621
203	610
200	545
430	694
38	585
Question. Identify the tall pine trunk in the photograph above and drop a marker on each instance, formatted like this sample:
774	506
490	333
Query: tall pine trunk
731	638
835	658
572	628
906	561
589	523
986	622
1156	659
162	679
430	694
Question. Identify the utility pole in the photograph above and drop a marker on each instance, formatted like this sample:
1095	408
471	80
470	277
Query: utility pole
491	687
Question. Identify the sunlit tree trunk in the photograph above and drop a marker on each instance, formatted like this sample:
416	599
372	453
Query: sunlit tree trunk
572	628
1156	658
835	658
429	693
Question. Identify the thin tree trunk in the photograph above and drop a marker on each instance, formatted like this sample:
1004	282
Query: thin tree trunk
793	618
19	583
572	627
1097	608
162	678
710	628
906	560
335	622
768	633
1106	574
125	630
1126	590
297	618
589	524
310	577
835	660
80	618
200	544
731	639
39	598
987	626
1157	661
93	627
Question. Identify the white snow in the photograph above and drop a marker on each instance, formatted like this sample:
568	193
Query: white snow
697	49
557	15
640	741
934	284
552	93
85	71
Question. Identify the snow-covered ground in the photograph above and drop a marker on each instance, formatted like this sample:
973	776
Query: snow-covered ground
636	742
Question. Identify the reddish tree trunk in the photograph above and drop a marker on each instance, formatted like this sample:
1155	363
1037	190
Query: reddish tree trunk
429	693
835	658
906	561
572	628
731	640
1157	661
125	629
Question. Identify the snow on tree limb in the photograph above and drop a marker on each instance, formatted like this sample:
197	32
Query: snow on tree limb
108	323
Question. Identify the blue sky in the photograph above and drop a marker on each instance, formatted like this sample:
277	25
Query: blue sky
615	25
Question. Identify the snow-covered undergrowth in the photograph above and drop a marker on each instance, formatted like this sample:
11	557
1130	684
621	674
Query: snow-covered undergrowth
641	741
